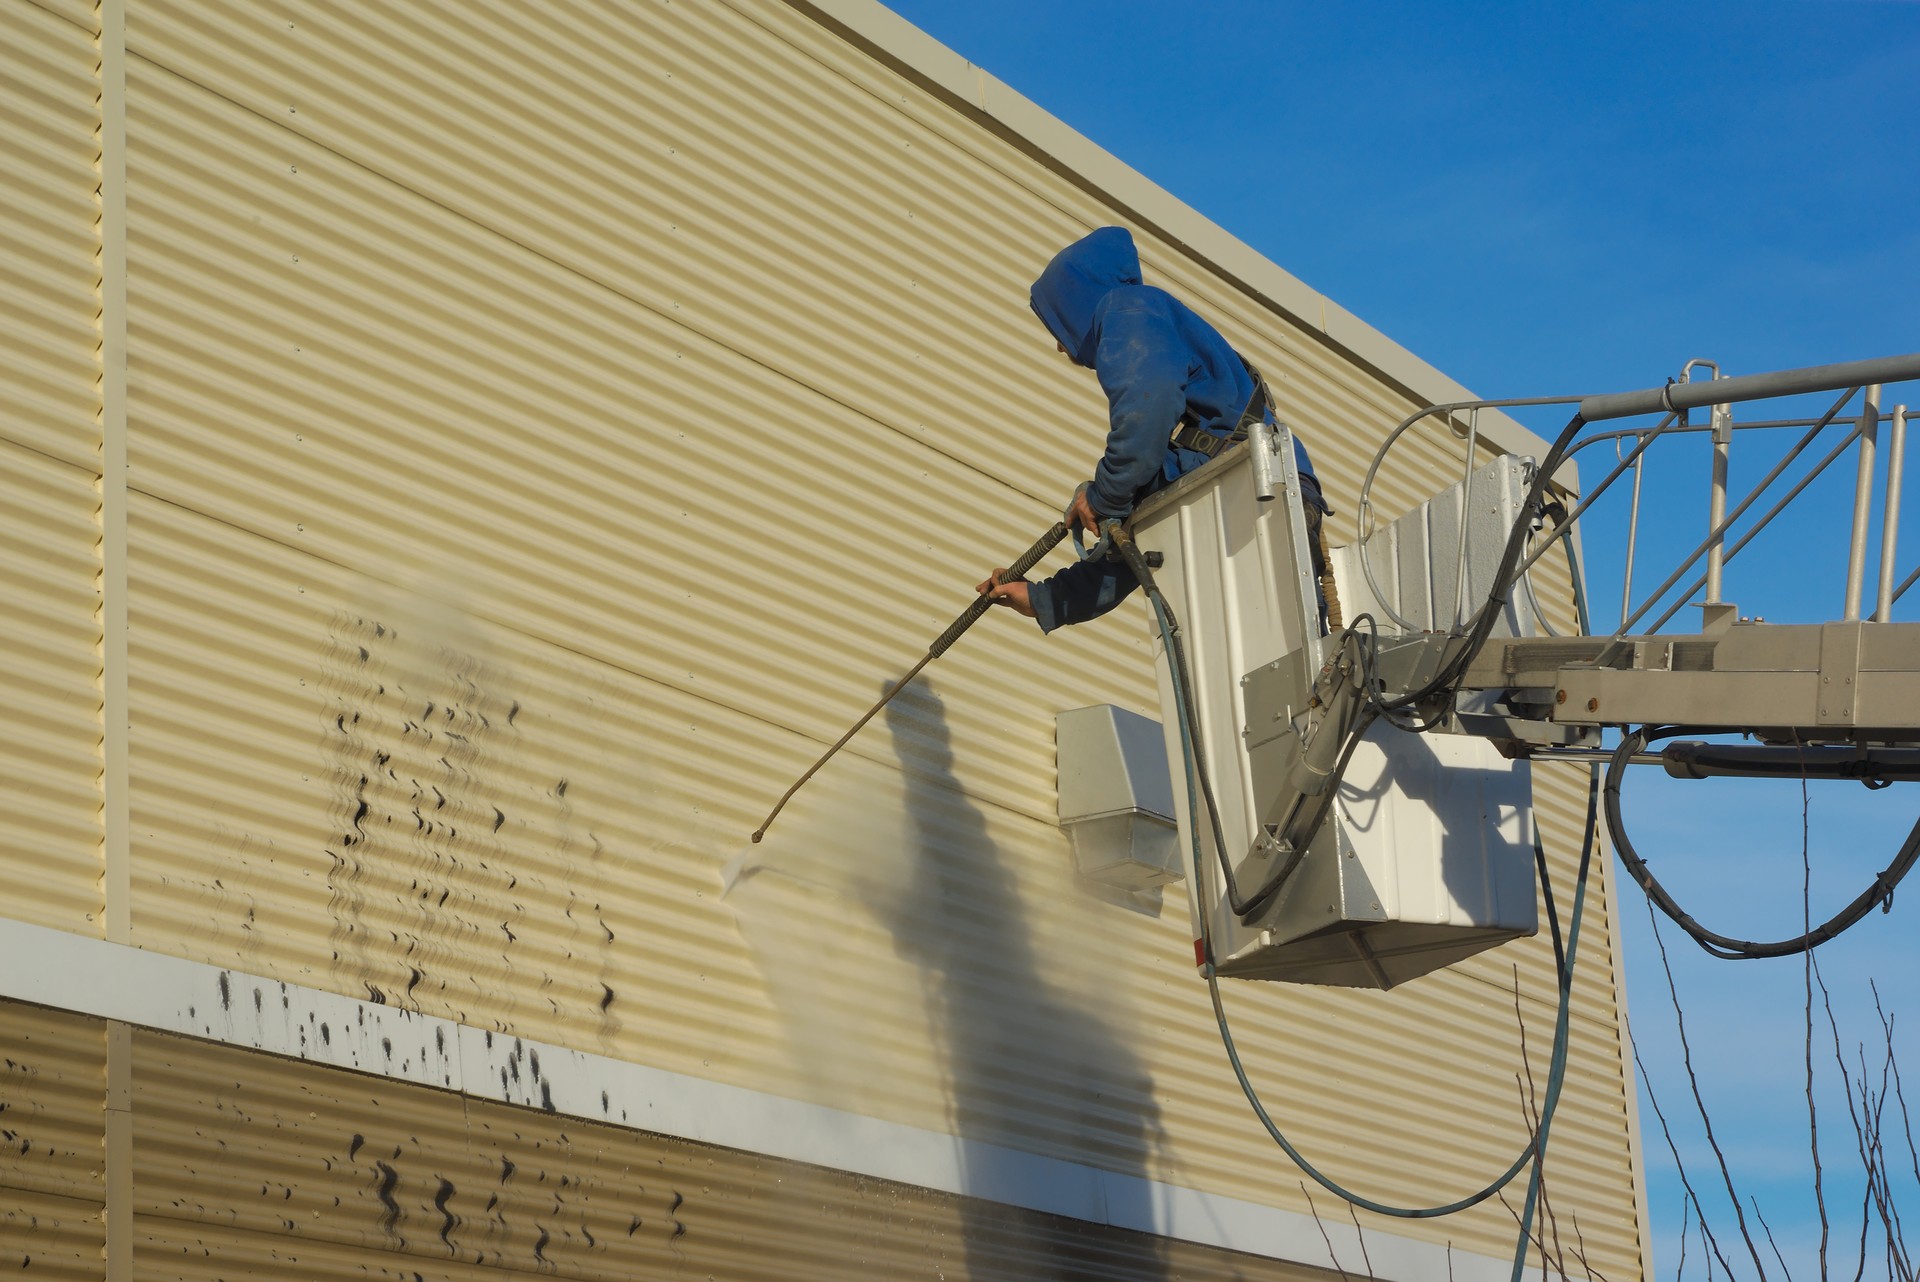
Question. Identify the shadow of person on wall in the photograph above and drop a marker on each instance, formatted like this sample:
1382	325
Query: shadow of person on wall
1031	1068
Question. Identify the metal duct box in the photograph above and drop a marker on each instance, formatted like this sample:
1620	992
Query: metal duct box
1116	797
1426	855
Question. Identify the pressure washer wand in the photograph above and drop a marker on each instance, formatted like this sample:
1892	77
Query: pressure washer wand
1028	559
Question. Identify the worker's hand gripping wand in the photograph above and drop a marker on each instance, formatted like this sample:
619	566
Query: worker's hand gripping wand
1028	559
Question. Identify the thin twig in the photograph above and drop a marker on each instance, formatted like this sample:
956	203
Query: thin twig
1530	1110
1906	1122
1768	1230
1700	1104
1806	973
1580	1253
1321	1225
1686	1222
1666	1133
1846	1082
1361	1233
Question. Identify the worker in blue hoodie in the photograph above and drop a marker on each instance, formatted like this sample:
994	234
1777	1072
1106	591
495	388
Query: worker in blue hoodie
1176	396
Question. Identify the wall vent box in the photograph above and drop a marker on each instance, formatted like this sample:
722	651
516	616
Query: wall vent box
1116	797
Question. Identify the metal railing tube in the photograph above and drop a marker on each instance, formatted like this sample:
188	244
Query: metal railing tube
1633	536
1862	500
1753	497
1890	518
1752	387
1785	499
1717	500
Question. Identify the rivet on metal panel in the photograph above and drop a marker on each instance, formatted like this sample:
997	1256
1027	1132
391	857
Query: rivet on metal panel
1593	705
1560	696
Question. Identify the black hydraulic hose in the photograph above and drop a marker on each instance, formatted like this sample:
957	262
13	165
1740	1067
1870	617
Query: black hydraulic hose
1489	613
1553	914
1725	946
1189	715
1556	1075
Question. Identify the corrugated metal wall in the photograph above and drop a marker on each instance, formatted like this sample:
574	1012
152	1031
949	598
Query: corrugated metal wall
240	1173
547	427
49	466
52	1101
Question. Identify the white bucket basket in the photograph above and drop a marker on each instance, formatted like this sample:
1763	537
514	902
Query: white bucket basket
1426	854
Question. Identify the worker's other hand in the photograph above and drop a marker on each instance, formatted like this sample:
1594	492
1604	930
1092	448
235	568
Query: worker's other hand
1080	514
1014	594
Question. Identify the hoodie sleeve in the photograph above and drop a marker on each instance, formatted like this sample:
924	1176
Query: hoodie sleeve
1143	369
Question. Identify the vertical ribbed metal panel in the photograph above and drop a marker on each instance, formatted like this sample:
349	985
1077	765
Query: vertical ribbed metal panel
49	467
49	235
52	1093
547	432
250	1167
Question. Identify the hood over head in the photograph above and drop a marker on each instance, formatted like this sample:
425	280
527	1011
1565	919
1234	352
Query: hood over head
1077	279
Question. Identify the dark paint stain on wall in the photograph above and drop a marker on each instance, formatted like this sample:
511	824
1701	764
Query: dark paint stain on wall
441	840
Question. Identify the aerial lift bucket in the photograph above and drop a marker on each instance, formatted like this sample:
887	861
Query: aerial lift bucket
1425	855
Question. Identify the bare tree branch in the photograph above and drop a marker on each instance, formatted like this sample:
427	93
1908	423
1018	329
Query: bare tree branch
1846	1082
1321	1225
1806	973
1768	1230
1700	1104
1361	1233
1666	1133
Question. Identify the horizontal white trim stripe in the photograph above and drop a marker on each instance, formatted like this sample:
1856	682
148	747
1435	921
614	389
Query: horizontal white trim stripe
194	999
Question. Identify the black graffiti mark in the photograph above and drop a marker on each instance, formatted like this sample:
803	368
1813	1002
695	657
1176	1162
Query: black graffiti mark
588	1234
389	1181
634	1227
354	1147
540	1246
606	996
326	1034
450	1220
414	976
673	1213
226	992
546	1098
256	1001
374	994
499	818
513	712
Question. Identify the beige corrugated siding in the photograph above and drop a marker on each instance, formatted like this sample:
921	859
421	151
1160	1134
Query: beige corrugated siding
50	635
49	468
49	235
52	1093
340	1180
50	1239
547	428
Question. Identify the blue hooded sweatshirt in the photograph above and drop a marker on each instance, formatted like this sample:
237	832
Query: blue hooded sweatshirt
1157	360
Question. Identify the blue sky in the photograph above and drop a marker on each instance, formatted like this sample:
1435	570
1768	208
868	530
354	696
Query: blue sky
1556	198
